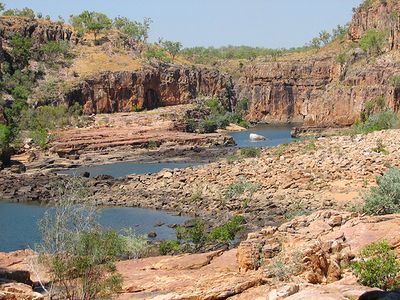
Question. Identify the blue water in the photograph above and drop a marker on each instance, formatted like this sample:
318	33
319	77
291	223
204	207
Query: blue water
19	229
275	135
121	169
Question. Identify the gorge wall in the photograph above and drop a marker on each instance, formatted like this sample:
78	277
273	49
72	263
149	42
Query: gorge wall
151	87
319	91
39	30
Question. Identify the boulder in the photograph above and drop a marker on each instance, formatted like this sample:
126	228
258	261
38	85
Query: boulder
257	137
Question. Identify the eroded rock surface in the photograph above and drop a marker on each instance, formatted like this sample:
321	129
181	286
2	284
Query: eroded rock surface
151	87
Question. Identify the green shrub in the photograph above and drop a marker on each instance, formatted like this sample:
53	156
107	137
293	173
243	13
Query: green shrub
168	247
208	126
380	147
242	105
379	121
385	197
250	152
342	59
196	233
378	266
394	80
237	189
40	137
373	41
134	246
20	50
284	268
215	106
373	106
53	50
227	231
5	136
25	12
78	255
155	52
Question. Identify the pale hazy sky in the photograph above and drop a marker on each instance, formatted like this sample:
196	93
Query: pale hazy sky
264	23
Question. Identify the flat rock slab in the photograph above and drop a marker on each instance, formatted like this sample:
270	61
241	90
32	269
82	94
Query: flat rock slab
213	275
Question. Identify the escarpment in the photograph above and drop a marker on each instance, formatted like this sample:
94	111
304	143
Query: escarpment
39	30
151	87
380	15
316	89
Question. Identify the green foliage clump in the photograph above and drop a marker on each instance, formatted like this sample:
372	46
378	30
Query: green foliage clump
52	50
342	58
91	21
169	247
385	197
20	50
373	106
158	53
208	126
227	231
380	147
240	187
5	138
250	152
379	121
134	246
172	48
25	12
373	41
394	80
135	30
78	254
195	234
378	266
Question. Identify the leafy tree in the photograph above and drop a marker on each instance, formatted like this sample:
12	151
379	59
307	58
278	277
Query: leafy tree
136	30
373	41
339	31
5	135
25	12
325	37
155	52
54	49
172	48
315	43
2	6
93	22
20	51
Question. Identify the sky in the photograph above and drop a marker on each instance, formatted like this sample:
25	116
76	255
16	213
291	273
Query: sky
257	23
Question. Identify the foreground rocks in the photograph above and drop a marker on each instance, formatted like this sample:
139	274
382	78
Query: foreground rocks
325	240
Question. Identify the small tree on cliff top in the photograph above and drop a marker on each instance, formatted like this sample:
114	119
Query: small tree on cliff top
93	22
173	48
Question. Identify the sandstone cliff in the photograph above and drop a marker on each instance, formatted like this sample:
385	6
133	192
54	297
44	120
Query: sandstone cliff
41	31
151	87
317	90
380	15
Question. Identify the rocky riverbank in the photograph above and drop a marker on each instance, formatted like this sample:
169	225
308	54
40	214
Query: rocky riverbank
284	181
324	243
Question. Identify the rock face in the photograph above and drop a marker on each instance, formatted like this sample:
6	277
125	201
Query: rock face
316	90
313	88
380	15
40	31
318	247
159	85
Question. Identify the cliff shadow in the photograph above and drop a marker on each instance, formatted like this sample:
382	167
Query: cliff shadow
151	99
